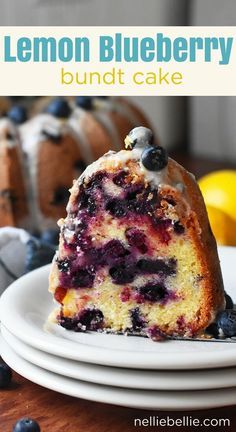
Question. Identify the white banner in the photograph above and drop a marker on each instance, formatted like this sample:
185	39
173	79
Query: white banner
118	61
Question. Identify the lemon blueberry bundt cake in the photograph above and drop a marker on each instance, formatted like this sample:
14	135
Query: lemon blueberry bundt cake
136	251
58	144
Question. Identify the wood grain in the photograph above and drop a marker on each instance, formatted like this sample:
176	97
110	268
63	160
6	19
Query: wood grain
59	413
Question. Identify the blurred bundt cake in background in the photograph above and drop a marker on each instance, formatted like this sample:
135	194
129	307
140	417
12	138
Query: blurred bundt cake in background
14	210
4	105
54	140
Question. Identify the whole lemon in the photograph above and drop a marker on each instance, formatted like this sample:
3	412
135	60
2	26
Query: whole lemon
219	192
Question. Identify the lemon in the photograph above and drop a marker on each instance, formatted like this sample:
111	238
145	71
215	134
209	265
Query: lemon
219	192
223	227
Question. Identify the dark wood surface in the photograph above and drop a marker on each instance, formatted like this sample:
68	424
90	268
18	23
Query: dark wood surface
59	413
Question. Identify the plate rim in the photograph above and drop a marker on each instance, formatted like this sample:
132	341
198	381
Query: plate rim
100	355
181	400
131	378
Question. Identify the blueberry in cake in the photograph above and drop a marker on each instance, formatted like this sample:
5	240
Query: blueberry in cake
136	251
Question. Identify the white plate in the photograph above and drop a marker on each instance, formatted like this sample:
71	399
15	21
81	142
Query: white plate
143	399
26	304
120	377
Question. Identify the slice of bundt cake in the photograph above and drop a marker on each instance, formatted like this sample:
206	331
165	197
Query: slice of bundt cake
136	250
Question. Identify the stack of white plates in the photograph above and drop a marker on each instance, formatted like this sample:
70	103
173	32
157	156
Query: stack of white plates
129	371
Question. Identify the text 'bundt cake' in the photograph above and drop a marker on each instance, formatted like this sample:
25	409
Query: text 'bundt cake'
136	251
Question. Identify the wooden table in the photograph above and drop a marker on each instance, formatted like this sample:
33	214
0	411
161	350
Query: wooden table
60	413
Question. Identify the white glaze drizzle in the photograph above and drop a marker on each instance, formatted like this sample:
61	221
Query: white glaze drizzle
121	159
7	125
126	111
102	110
76	123
103	117
31	133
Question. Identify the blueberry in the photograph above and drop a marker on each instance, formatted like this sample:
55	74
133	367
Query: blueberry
154	158
137	239
59	107
83	278
63	265
9	136
178	228
96	180
120	179
226	321
68	323
88	319
5	375
122	274
153	292
213	330
61	196
85	102
83	198
26	424
50	236
10	195
156	334
229	302
92	319
139	137
133	191
114	249
38	254
79	165
54	139
137	320
116	208
84	241
156	266
162	228
87	202
17	114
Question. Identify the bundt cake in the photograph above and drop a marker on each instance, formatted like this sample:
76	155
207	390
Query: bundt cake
136	252
53	159
57	145
14	208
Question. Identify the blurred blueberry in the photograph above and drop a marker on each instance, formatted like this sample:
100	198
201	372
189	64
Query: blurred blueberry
17	114
26	424
85	102
213	330
226	321
59	107
38	254
50	236
229	302
5	375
